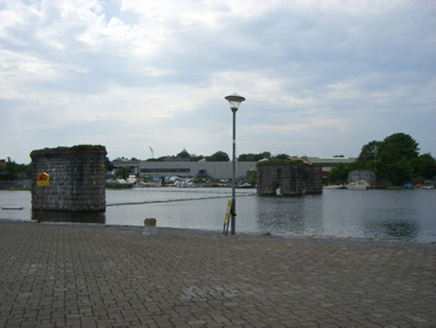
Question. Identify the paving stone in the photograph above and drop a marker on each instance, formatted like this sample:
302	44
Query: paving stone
72	275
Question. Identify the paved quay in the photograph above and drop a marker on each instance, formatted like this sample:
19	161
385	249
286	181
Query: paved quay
77	275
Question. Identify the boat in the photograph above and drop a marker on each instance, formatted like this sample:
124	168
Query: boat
408	186
131	179
428	185
358	185
334	187
12	208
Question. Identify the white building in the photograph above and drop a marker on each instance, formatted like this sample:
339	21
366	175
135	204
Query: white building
214	170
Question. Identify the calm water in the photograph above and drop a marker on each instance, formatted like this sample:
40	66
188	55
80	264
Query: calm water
399	214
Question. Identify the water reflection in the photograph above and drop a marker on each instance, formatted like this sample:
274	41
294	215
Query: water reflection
72	217
400	229
403	214
284	215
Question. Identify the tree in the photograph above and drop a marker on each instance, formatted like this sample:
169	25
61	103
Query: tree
399	146
123	172
395	158
283	157
108	164
254	157
219	156
339	174
401	172
369	152
9	170
195	158
425	166
184	154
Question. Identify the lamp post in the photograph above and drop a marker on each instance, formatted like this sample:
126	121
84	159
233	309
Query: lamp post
234	101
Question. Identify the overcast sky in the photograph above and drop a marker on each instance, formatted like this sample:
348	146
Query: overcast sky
320	78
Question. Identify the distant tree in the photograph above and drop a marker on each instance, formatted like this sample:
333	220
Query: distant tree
281	157
108	164
396	156
425	166
254	157
399	146
123	172
219	156
394	159
339	174
9	170
402	172
183	154
160	159
368	156
196	158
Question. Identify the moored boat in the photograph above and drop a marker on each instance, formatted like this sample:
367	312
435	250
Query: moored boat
358	185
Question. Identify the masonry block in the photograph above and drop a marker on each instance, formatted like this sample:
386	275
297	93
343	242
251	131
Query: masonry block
77	178
292	178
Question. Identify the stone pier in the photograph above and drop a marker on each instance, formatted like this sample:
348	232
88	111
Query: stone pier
291	178
77	179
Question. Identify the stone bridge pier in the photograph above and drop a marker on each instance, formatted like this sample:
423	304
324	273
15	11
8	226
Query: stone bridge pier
292	178
77	189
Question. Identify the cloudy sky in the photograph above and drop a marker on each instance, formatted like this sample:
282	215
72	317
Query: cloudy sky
320	78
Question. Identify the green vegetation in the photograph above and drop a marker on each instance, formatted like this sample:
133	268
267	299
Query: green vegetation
254	157
219	156
123	172
9	170
395	160
108	164
279	161
86	148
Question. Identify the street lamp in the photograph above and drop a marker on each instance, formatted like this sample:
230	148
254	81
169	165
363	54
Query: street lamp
234	101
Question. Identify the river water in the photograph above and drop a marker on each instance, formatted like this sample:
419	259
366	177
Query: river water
393	214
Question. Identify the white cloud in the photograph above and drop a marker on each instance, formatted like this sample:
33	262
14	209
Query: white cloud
317	75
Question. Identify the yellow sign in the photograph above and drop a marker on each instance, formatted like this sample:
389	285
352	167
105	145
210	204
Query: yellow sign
43	180
227	217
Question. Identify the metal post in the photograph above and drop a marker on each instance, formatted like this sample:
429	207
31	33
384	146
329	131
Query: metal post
234	101
42	205
233	212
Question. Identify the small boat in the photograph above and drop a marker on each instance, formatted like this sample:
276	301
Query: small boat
12	208
358	185
335	187
408	186
428	185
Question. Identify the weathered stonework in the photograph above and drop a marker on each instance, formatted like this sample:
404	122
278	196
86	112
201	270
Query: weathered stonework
368	176
77	178
291	177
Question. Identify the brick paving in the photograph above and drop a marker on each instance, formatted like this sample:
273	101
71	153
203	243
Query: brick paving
72	275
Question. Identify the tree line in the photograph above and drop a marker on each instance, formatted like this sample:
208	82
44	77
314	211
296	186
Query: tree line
395	160
9	170
219	156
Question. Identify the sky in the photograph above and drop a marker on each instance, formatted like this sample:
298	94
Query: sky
142	78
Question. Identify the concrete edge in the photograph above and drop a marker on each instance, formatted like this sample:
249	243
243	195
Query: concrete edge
138	231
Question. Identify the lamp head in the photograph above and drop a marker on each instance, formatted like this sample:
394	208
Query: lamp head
234	101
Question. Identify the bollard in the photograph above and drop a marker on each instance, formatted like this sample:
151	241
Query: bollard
149	227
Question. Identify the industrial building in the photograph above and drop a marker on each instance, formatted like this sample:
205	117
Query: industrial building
213	170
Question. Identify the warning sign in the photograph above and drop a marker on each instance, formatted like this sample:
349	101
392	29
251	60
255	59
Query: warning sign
43	180
227	218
